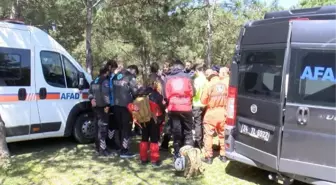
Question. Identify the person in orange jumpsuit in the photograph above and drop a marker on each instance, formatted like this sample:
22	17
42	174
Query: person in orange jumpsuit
214	96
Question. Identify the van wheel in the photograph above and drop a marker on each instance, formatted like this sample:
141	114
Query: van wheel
85	129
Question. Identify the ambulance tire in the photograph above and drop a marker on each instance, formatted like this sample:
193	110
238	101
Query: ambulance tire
81	126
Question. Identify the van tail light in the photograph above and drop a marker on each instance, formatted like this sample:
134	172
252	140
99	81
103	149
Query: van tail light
231	106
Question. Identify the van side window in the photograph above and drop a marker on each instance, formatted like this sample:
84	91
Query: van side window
314	79
14	67
71	73
52	68
260	73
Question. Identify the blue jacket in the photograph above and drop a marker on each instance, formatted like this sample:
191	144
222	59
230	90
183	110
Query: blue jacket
111	89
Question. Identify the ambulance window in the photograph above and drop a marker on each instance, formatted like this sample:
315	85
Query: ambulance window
14	67
52	68
314	79
71	73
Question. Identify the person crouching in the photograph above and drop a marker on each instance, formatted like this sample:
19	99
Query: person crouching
146	111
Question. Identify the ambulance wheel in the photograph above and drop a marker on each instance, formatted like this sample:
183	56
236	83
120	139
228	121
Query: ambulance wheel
84	129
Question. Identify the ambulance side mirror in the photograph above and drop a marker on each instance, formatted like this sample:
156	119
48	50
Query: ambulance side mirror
81	81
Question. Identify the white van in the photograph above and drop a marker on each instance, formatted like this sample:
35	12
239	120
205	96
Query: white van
43	90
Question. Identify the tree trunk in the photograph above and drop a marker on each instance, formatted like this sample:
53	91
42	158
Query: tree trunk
4	152
15	10
209	33
144	64
89	9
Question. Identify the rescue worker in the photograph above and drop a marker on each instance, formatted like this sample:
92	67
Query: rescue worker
178	91
167	131
148	111
99	91
124	91
189	69
198	108
214	97
215	68
224	74
166	69
154	77
113	127
155	82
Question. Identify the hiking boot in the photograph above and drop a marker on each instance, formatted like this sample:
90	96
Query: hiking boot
156	164
127	154
223	159
208	160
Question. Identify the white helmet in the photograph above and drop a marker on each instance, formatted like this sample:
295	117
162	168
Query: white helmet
179	163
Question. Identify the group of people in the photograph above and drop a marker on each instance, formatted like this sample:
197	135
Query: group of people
183	101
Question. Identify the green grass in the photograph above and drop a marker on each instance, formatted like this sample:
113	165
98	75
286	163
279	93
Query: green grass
63	162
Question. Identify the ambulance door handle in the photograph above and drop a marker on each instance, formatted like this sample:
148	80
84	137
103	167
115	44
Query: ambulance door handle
22	95
43	93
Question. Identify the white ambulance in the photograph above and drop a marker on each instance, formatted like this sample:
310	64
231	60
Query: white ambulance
43	90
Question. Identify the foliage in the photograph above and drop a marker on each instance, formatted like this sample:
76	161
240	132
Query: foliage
140	32
316	3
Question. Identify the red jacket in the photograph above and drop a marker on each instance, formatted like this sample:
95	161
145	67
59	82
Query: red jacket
178	91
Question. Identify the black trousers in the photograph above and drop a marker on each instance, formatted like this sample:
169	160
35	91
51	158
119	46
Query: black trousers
167	132
182	124
103	120
112	140
124	123
198	113
150	132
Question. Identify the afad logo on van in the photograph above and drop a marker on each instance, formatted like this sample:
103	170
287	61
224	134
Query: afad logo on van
318	73
70	96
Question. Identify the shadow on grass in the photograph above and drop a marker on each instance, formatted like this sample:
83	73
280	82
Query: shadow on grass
251	174
248	173
62	161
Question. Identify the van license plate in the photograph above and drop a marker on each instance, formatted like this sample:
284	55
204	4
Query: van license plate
254	132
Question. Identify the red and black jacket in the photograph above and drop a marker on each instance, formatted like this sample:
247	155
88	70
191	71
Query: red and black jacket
178	91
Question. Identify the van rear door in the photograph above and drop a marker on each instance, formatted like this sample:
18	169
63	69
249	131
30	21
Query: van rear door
260	93
16	83
309	134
